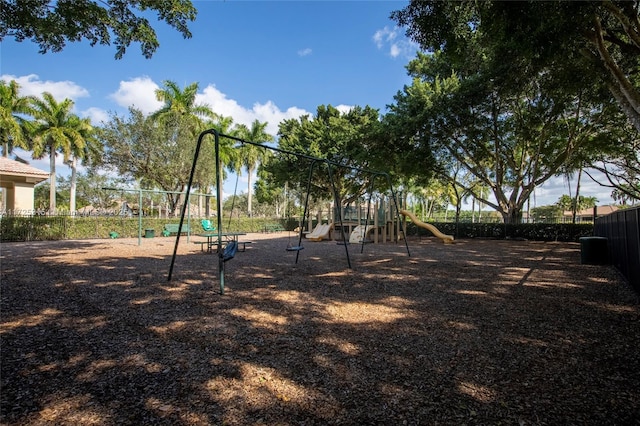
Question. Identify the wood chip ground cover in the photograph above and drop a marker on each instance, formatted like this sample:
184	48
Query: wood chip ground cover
477	332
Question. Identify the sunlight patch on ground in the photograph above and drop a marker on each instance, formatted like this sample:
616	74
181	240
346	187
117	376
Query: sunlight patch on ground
550	284
160	408
618	309
171	327
459	325
96	368
342	345
259	318
472	292
359	312
75	410
265	384
144	301
529	341
332	274
31	320
84	324
140	361
476	391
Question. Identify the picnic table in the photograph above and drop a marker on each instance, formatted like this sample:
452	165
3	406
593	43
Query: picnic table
227	237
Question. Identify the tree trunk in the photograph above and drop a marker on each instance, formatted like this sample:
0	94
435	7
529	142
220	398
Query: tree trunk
473	210
249	209
513	215
574	209
52	180
72	188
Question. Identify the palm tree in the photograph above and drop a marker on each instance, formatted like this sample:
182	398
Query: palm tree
253	155
90	151
12	131
180	109
181	103
54	129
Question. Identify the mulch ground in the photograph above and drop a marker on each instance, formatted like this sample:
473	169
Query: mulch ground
478	332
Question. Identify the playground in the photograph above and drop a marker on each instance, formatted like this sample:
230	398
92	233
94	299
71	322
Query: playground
474	332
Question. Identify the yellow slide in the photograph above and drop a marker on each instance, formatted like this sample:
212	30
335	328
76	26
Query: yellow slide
447	239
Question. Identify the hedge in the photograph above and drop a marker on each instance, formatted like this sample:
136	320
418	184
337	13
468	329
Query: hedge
14	228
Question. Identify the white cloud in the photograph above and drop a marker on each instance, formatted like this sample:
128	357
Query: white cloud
396	44
139	93
344	108
305	52
31	85
385	36
267	112
97	115
550	191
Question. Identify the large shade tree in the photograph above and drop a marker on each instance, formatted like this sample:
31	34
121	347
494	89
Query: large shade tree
509	139
157	156
53	24
343	138
598	39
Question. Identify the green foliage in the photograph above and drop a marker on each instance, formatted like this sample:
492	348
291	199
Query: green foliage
528	231
12	123
251	155
55	129
52	24
158	154
596	43
34	228
40	228
37	228
567	203
509	138
343	138
546	213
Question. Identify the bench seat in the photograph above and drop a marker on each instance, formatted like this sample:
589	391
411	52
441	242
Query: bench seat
172	228
273	227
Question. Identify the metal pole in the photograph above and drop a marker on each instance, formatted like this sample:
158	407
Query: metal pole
216	135
337	203
140	217
366	224
306	204
184	207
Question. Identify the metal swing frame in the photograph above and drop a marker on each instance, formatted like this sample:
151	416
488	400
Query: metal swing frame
314	160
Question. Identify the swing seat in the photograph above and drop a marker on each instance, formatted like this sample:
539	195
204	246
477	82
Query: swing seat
207	226
295	248
230	251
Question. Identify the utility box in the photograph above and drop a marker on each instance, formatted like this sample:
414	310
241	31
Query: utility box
594	251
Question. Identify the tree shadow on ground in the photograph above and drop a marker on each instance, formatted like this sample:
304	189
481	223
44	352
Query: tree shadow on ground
479	332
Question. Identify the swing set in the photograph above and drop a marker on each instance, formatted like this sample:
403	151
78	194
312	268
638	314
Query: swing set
228	252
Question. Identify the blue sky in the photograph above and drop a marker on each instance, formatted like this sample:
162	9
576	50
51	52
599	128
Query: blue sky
265	60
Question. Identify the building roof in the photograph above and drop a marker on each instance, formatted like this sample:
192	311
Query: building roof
602	211
11	169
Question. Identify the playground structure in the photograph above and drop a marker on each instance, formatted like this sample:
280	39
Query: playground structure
447	239
314	161
378	225
363	222
322	231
